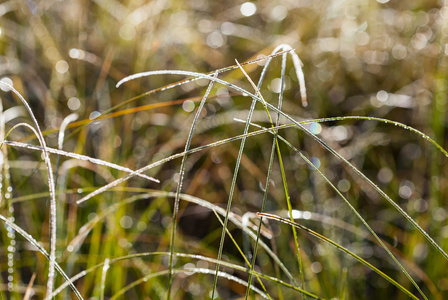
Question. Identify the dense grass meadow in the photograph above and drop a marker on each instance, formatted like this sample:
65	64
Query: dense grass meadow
197	149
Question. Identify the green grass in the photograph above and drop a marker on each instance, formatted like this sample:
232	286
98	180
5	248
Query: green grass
183	150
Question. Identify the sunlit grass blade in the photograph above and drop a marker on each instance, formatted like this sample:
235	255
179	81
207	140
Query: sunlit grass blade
5	196
334	222
234	218
108	113
51	187
165	272
79	157
103	277
181	178
29	288
353	209
327	240
36	244
67	120
243	256
235	174
275	146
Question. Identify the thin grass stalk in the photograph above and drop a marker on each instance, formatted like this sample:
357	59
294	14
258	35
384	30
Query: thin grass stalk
263	205
33	242
67	120
377	238
282	168
181	178
246	260
84	230
81	157
6	194
103	277
343	284
193	256
285	185
329	241
271	160
231	192
384	195
29	288
61	186
186	271
432	242
51	186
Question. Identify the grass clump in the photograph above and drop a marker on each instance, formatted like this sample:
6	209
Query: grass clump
140	160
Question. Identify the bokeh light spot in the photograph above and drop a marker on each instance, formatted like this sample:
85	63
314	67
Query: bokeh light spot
188	105
73	103
248	9
215	39
315	128
316	267
127	32
344	185
61	66
385	175
382	96
126	222
278	13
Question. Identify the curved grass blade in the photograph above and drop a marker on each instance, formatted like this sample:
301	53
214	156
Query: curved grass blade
187	271
67	120
377	238
103	277
51	186
327	240
316	138
231	193
275	146
244	257
396	206
235	174
181	179
187	255
308	215
108	114
33	242
85	229
300	125
92	160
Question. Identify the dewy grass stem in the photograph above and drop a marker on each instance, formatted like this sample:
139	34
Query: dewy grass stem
327	240
51	187
316	138
179	185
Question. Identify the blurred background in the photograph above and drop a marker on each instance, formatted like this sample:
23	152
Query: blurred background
382	59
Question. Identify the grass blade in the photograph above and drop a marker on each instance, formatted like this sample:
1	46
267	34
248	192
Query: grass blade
327	240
